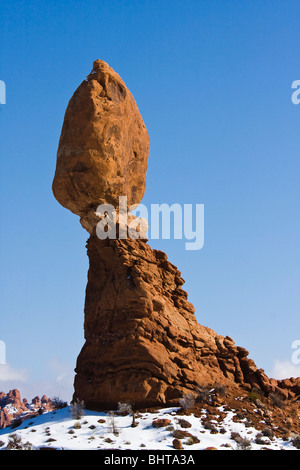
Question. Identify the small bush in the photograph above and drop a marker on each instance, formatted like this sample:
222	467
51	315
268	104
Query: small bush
220	390
112	424
268	433
277	400
125	409
77	409
203	395
187	401
15	443
244	444
58	404
254	395
259	439
296	441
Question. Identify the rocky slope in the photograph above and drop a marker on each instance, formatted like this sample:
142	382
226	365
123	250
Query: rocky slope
217	420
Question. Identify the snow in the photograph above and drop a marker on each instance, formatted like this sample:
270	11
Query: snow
56	429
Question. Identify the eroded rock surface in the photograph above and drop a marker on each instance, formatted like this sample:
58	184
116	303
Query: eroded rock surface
104	146
142	341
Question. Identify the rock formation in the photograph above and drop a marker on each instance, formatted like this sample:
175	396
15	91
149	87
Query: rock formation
14	410
142	341
104	146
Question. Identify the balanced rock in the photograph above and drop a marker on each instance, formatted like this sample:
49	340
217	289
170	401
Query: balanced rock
143	343
104	146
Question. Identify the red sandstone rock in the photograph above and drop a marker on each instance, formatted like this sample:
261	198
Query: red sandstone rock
104	146
12	407
143	343
177	444
161	422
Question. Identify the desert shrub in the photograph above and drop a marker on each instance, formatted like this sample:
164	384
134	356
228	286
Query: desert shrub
187	401
259	439
15	443
244	444
125	409
296	441
254	395
77	408
220	390
268	433
58	404
277	400
112	424
203	395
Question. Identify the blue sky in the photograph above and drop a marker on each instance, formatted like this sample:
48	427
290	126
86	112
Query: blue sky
212	80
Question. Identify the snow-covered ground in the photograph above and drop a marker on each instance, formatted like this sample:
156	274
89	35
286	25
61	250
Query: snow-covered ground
94	430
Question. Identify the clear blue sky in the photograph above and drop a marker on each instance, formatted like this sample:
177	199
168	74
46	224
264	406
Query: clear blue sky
212	79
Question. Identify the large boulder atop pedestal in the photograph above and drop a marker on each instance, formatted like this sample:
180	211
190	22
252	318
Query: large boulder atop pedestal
104	145
143	343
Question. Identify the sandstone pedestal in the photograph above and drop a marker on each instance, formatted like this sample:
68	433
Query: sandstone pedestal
142	341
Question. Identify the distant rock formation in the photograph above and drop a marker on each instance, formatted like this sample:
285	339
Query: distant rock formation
142	341
13	408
